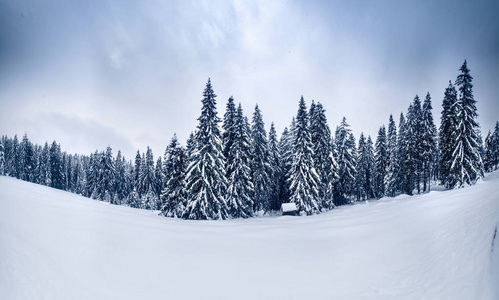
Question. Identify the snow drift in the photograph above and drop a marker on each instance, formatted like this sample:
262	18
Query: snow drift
56	245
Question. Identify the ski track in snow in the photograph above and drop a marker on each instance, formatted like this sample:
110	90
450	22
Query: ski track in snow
56	245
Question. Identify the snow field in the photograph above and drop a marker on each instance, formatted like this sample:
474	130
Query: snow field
56	245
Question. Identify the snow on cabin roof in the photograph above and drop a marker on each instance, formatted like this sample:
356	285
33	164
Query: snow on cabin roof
288	207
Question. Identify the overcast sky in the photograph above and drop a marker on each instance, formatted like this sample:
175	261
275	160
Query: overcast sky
130	74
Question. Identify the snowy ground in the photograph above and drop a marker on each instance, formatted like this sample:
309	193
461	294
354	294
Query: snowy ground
55	245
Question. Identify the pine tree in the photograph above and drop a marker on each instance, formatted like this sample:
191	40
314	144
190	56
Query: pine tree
106	176
259	163
148	180
136	173
79	176
158	182
275	169
414	148
93	175
173	195
382	162
393	166
446	143
69	172
44	168
489	150
120	181
346	159
428	142
285	155
304	181
324	161
56	166
205	180
466	162
2	160
133	200
495	147
27	158
15	159
229	129
240	187
64	167
403	181
365	169
190	146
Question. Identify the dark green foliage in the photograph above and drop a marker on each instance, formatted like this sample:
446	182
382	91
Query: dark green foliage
324	161
346	159
275	170
205	180
173	195
240	187
57	179
303	178
382	162
466	162
260	168
446	142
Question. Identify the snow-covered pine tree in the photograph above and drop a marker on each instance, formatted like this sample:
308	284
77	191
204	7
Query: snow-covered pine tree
106	178
428	142
15	159
148	181
495	147
446	143
64	168
240	187
392	153
190	146
275	169
133	199
136	173
285	155
371	175
173	195
28	159
403	179
228	129
324	161
79	179
365	169
44	168
304	180
205	180
260	163
381	158
346	159
489	150
56	166
69	173
92	175
120	181
414	148
466	161
2	159
159	183
361	167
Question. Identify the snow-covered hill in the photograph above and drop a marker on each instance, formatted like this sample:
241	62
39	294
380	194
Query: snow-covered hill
56	245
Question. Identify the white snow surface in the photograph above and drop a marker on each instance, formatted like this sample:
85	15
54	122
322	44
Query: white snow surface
56	245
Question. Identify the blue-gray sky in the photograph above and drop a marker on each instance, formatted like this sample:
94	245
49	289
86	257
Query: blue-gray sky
130	74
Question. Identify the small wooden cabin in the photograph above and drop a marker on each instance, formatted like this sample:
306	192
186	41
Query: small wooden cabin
289	209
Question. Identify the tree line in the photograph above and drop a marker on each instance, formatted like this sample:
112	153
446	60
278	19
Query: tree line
238	170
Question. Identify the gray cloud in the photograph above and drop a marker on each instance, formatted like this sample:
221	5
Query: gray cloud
136	70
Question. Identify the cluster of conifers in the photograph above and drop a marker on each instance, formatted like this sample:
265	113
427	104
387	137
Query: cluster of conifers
239	171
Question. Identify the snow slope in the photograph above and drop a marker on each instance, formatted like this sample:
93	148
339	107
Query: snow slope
56	245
